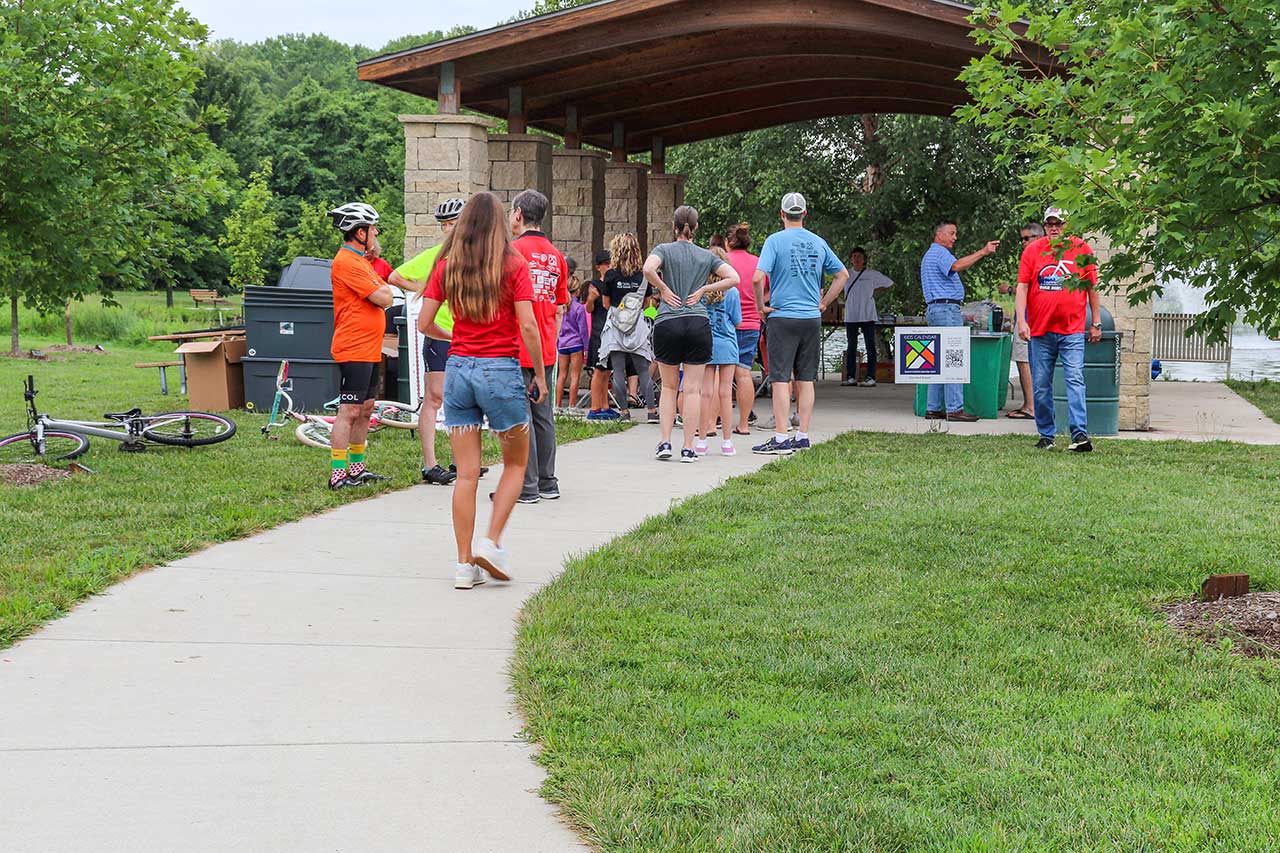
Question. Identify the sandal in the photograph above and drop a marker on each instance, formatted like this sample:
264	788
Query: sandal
1020	415
740	432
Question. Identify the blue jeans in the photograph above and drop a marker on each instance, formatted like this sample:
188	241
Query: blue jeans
1046	350
868	331
945	315
479	388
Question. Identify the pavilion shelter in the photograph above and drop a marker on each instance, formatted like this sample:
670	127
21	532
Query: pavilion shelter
582	90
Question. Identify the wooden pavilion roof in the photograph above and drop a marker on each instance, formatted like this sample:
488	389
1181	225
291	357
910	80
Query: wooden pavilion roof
632	72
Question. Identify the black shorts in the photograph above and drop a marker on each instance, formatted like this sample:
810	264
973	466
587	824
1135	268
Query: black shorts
435	354
359	381
794	348
593	352
682	340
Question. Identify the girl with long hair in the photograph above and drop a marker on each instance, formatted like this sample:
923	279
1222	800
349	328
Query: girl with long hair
487	285
679	271
626	345
724	312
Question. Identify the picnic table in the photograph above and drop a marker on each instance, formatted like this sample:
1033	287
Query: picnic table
181	364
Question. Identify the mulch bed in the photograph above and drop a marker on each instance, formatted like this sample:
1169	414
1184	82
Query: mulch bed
1251	621
28	474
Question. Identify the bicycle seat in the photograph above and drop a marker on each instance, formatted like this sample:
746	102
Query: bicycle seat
123	416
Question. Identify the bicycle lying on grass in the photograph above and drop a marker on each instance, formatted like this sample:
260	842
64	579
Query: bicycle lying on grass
49	439
316	430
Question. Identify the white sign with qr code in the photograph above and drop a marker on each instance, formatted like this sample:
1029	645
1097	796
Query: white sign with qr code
931	355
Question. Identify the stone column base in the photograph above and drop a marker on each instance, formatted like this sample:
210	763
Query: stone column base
626	201
666	193
518	162
577	178
445	156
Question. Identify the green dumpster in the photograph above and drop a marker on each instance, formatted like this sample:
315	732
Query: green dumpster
988	388
402	354
1101	382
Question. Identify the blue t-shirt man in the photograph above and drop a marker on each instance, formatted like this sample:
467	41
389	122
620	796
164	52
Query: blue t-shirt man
936	276
795	259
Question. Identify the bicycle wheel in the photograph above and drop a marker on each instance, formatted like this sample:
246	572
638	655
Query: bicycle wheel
188	429
314	435
395	414
59	446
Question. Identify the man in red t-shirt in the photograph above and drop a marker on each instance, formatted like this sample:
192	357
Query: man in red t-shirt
550	274
1050	308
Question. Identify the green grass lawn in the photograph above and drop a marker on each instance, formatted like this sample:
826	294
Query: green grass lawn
66	540
1265	394
918	642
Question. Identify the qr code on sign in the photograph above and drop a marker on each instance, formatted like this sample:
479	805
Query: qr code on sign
954	358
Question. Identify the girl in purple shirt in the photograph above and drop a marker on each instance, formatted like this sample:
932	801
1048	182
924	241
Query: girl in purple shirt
575	336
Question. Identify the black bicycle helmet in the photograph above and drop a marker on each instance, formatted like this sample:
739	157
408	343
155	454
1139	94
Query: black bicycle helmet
449	209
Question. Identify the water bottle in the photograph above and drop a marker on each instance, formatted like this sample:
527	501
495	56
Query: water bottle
997	318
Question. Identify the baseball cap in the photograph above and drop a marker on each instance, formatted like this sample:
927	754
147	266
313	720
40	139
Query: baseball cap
1054	213
602	257
794	203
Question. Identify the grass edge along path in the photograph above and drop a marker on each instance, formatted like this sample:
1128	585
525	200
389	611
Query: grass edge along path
1263	393
903	642
64	541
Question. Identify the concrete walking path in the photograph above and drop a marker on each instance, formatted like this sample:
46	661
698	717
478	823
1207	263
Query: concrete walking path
319	686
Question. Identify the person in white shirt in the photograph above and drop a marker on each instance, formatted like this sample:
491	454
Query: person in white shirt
860	315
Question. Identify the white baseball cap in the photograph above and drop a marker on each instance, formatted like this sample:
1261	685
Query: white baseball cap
1054	213
794	203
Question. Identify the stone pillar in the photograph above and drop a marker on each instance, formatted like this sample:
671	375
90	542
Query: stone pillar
626	201
1136	324
666	193
577	176
445	156
521	161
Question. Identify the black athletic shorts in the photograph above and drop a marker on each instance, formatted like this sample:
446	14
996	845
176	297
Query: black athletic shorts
435	354
359	381
794	348
593	352
682	340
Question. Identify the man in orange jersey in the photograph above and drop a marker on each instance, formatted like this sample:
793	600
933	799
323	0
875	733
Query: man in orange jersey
359	300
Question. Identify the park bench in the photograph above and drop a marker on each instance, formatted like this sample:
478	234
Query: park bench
207	298
164	377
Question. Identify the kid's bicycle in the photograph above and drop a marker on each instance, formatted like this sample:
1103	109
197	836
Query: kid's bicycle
316	430
49	439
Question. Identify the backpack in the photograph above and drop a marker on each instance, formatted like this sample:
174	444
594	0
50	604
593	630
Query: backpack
628	313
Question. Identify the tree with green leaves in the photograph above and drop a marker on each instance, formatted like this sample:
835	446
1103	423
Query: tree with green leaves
95	142
314	235
251	231
1158	125
876	181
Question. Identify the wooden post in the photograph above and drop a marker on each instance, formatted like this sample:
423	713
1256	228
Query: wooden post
659	160
619	143
517	121
572	135
447	99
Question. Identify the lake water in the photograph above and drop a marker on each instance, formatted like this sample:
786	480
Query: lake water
1252	357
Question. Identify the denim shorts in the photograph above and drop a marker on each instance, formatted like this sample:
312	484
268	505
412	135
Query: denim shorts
748	340
479	388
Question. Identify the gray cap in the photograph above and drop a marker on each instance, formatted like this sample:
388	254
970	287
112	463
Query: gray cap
794	203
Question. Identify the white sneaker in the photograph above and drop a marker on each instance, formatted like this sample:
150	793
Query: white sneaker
700	447
467	576
727	449
492	559
868	383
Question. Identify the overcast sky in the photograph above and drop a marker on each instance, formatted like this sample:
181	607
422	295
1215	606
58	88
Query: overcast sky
372	24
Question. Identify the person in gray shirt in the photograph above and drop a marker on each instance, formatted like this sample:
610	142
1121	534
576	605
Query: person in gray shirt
679	272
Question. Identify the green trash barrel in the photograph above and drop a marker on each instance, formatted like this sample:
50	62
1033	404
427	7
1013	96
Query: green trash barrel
988	388
402	353
1101	382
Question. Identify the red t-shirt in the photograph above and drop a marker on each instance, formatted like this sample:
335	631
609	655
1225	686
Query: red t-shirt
494	339
382	268
745	264
550	277
358	324
1051	307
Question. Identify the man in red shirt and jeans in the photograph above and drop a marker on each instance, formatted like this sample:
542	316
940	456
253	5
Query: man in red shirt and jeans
550	276
1050	307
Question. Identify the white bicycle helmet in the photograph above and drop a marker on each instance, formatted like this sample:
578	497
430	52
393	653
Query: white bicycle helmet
353	214
449	209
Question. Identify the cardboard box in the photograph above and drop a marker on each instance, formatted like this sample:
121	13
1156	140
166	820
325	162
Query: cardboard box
215	378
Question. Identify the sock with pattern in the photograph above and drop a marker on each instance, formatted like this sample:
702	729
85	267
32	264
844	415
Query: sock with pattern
357	459
338	464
